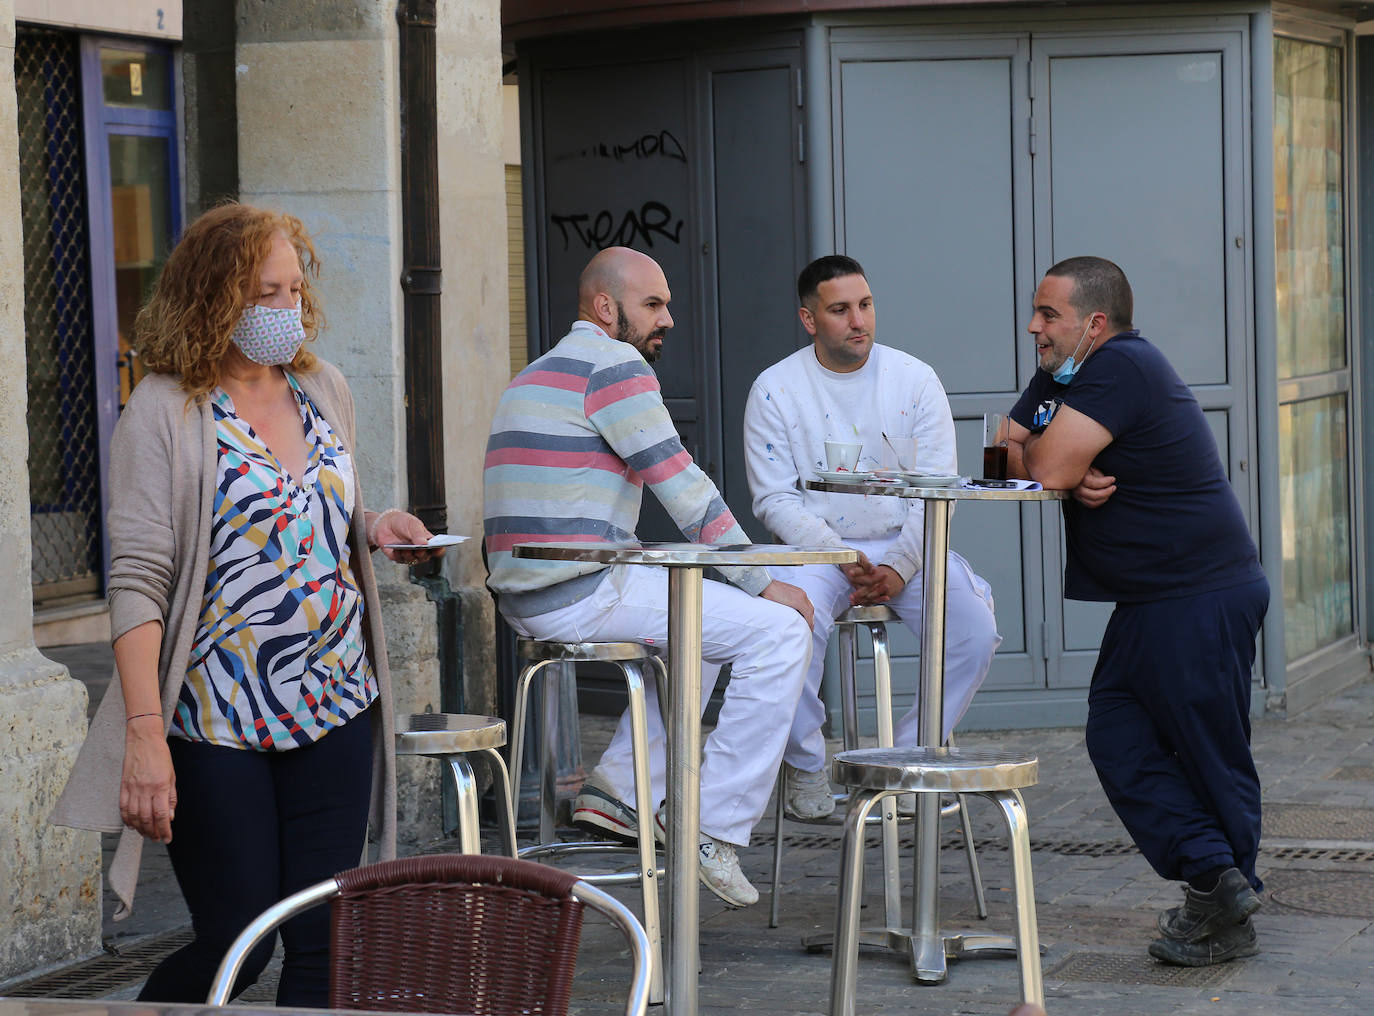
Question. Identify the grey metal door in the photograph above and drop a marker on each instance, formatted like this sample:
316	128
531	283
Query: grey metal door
1141	159
699	168
627	181
964	167
751	241
933	196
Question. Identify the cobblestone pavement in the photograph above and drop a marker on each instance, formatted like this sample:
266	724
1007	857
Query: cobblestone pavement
1096	898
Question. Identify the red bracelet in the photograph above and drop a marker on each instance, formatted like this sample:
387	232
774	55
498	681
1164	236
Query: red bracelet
136	716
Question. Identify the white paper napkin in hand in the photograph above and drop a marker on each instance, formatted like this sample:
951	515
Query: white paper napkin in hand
439	540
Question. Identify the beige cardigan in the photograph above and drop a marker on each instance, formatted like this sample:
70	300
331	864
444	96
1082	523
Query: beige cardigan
163	459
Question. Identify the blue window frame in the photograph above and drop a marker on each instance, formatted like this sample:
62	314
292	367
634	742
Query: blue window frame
133	186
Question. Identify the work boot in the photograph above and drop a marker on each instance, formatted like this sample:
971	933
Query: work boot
1203	914
1232	942
598	810
806	796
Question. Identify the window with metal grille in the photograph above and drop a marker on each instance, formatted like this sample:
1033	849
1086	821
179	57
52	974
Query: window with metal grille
64	475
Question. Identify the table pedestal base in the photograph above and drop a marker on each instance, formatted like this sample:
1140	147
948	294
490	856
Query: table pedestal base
927	965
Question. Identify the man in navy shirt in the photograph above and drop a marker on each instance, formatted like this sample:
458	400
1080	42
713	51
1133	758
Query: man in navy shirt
1154	527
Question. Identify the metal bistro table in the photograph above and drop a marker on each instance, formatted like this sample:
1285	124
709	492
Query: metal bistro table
928	947
685	563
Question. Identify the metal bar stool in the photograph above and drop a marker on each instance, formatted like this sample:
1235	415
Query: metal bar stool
634	661
874	618
877	774
450	738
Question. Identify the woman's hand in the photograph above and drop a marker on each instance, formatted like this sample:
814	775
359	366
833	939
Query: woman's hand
396	526
148	789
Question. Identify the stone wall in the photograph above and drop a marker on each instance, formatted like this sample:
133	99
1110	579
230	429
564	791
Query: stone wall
319	136
49	877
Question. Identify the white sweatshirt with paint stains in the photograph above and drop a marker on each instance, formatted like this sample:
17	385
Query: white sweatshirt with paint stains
796	405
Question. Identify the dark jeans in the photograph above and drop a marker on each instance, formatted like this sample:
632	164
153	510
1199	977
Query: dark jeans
1169	728
252	827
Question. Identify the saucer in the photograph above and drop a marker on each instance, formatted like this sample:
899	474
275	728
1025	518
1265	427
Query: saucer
842	476
924	480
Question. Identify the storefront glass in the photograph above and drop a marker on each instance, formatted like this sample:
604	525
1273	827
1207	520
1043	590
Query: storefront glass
1313	361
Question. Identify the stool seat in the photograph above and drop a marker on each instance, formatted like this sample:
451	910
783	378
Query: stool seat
448	733
534	651
938	770
450	738
878	774
866	613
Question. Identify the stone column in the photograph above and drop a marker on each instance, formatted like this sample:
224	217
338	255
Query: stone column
49	877
476	311
319	137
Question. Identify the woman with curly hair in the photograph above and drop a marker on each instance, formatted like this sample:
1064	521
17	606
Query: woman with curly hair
248	723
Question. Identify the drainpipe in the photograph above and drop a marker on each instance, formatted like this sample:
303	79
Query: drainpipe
422	284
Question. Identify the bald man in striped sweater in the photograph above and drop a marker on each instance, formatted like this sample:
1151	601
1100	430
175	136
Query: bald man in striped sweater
577	435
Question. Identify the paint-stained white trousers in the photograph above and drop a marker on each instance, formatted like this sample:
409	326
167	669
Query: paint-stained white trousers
970	640
768	646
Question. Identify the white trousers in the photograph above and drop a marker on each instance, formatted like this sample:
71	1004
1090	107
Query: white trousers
970	640
768	646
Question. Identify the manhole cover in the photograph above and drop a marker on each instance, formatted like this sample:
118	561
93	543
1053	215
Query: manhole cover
1334	893
1356	774
953	841
1347	855
1318	822
1137	968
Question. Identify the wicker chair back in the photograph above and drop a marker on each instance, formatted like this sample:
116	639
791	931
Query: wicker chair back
454	933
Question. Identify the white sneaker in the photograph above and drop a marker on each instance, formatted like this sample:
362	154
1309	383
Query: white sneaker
906	805
806	796
719	868
720	872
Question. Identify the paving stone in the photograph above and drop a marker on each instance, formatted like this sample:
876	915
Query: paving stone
1099	902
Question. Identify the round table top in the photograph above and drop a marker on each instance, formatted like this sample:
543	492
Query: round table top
950	493
686	554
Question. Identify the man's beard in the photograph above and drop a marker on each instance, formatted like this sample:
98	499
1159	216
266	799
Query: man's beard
625	332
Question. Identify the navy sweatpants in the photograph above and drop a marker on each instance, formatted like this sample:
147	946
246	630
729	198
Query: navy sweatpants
252	827
1169	728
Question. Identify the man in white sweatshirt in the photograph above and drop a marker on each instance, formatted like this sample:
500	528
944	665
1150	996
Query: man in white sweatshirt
845	387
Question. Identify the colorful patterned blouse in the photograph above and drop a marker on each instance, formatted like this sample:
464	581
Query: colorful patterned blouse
278	658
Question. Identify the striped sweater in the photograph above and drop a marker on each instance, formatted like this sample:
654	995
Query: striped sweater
576	436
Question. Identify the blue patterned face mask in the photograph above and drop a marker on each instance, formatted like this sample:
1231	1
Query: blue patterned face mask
269	335
1069	368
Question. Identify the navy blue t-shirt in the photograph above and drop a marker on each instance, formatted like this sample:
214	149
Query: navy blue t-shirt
1173	527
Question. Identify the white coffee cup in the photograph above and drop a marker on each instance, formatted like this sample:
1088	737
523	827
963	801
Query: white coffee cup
842	455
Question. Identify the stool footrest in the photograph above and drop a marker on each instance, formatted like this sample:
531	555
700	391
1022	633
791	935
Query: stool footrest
893	940
547	853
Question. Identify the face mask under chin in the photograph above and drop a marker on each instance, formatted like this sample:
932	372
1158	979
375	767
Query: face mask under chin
1069	367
